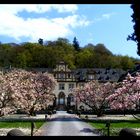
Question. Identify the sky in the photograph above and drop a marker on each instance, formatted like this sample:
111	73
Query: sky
108	24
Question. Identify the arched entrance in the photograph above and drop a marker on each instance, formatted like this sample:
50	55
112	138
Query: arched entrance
61	101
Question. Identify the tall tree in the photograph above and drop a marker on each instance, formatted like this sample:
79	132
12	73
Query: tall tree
40	41
136	19
76	44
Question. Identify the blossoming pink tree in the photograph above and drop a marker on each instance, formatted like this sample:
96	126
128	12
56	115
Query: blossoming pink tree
94	95
6	101
30	91
127	93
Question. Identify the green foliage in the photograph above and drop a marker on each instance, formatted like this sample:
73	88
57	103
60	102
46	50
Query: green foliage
83	58
37	55
126	62
102	50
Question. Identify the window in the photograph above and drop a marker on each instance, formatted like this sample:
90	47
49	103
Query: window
69	76
62	76
71	86
61	86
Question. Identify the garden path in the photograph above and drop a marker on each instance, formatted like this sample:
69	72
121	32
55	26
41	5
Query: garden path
64	124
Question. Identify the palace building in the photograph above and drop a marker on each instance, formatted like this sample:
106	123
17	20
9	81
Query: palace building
68	79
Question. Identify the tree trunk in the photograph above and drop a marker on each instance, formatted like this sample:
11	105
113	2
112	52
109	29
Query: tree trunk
32	128
100	113
32	111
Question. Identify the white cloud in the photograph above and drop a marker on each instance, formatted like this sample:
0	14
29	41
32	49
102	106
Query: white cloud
108	15
65	8
104	17
15	26
38	8
72	21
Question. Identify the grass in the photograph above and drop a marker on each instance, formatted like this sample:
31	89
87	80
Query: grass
117	124
115	127
21	124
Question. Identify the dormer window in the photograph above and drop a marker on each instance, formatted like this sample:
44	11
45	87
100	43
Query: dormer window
114	72
100	78
107	78
90	77
99	72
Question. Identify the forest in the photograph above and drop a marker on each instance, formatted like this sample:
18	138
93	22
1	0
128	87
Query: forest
47	54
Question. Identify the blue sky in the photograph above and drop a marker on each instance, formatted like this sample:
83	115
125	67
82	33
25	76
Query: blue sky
109	24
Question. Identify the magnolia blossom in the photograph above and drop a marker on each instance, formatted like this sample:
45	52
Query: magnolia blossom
6	102
127	93
95	95
28	91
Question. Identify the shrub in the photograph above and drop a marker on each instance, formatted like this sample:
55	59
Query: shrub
127	132
15	132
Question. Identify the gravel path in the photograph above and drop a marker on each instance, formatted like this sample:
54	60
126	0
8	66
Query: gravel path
64	124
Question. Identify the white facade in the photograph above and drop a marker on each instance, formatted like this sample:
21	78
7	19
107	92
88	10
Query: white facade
66	90
65	82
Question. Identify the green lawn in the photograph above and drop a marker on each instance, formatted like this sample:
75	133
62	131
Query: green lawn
20	124
115	127
117	124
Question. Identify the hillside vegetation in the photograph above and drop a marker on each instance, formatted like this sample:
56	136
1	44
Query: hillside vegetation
48	54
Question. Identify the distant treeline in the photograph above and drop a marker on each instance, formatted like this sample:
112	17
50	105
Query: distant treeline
48	54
